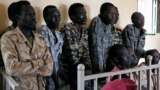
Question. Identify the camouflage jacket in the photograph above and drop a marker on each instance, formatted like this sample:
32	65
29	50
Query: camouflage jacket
26	63
117	36
75	48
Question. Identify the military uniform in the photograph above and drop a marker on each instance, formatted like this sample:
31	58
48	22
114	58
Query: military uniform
117	36
75	51
26	63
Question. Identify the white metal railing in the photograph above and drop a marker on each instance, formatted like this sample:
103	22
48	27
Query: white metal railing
82	78
8	82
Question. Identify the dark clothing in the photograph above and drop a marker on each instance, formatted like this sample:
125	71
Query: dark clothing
134	38
74	51
101	38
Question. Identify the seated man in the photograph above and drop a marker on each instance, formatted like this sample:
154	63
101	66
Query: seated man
118	57
133	58
26	56
155	60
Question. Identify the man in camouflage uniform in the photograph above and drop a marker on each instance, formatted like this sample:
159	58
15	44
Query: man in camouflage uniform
75	49
26	56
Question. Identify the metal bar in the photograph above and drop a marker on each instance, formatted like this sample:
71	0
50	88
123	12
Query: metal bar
8	81
4	83
149	79
7	86
158	77
95	84
120	76
139	80
93	76
80	80
148	69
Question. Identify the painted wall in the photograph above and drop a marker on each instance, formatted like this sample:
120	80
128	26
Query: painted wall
92	7
126	8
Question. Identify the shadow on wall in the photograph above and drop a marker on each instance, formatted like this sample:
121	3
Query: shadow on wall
3	19
64	14
88	15
39	16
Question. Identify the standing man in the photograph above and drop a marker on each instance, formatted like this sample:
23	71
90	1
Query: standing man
54	41
100	36
134	34
11	15
26	57
75	49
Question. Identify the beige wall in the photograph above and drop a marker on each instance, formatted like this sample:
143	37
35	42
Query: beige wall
92	7
126	8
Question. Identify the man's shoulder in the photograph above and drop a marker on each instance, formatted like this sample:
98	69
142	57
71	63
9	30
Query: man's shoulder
43	28
66	28
38	35
118	30
40	39
68	25
96	19
10	34
128	28
97	23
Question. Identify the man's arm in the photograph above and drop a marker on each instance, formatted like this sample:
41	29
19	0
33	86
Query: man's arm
13	65
94	46
125	37
47	68
86	61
